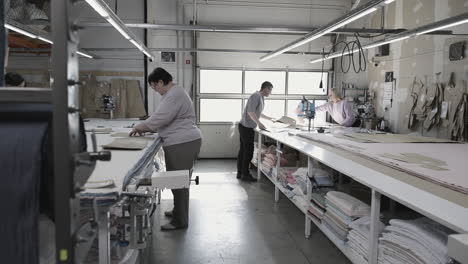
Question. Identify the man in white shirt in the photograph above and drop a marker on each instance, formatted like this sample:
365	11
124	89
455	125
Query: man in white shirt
250	120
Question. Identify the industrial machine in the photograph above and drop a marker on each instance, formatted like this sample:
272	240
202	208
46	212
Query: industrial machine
307	110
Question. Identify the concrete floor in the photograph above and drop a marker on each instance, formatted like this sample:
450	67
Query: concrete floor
236	222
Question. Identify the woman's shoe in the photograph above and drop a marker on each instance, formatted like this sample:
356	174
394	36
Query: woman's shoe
170	227
168	213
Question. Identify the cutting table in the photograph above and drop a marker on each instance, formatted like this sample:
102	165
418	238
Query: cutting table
113	196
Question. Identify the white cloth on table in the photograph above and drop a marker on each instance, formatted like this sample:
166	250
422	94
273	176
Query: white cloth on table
348	204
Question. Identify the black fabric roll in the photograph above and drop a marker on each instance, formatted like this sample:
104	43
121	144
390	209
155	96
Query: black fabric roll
21	159
3	42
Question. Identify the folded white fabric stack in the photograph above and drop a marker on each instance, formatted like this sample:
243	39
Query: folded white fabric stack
358	236
341	210
414	241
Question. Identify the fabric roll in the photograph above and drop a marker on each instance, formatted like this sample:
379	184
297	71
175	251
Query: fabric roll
21	159
3	45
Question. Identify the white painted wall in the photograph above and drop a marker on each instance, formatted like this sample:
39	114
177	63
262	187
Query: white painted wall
421	57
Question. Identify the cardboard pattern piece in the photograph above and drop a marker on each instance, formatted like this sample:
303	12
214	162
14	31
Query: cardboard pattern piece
100	130
99	184
415	158
126	144
392	138
449	172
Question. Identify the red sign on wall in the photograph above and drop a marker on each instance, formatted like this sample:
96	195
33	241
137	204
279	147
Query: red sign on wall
187	61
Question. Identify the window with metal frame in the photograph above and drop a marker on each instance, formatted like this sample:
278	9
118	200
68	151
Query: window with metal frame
219	103
307	83
254	80
221	81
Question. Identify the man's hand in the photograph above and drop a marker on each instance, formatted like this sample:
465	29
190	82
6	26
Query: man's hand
261	126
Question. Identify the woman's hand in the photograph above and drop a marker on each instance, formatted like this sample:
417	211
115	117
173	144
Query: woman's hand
139	130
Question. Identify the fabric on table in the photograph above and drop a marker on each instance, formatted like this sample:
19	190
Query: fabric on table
348	204
358	236
341	214
337	221
340	235
415	241
342	222
21	160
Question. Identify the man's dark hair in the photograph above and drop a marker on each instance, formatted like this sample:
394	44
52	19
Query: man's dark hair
266	84
159	74
13	79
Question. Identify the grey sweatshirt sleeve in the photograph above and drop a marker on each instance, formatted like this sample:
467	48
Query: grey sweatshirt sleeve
164	115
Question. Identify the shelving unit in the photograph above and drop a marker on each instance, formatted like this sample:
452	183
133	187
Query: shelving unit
380	179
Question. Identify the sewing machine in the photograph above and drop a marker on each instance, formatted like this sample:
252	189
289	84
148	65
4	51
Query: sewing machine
307	110
108	104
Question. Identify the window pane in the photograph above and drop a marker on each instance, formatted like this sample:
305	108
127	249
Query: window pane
320	117
292	105
274	108
254	80
220	81
220	110
307	83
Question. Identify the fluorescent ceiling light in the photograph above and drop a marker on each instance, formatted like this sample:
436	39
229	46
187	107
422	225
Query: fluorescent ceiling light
118	27
19	30
442	27
45	40
388	1
147	53
354	15
136	44
351	19
98	8
385	42
84	54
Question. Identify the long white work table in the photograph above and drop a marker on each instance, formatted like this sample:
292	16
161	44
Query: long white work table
446	206
120	175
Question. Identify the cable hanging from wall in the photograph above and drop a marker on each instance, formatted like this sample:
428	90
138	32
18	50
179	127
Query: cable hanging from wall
358	62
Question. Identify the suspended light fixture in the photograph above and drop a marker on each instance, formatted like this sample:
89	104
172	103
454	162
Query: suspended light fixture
103	10
353	15
84	54
442	24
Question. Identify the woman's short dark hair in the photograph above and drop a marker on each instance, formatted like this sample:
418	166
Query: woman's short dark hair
159	74
13	79
266	84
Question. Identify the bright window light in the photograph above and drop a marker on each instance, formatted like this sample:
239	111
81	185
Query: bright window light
254	80
443	27
306	83
389	1
274	108
19	30
98	8
221	81
220	110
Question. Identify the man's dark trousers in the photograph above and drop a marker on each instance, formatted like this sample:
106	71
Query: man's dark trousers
245	155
